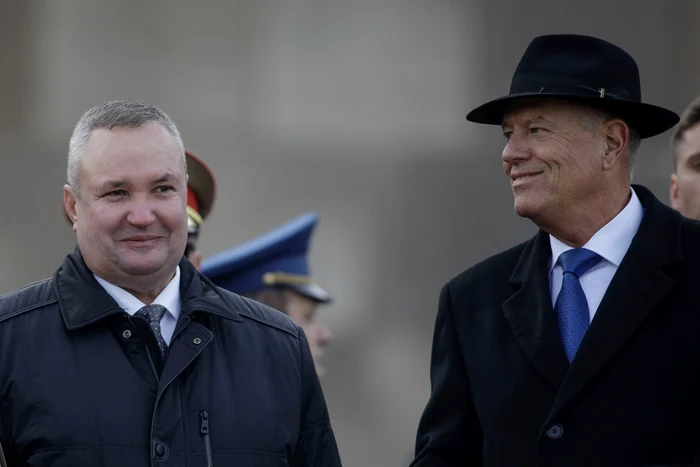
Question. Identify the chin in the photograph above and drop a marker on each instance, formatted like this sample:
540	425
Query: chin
525	209
142	269
143	265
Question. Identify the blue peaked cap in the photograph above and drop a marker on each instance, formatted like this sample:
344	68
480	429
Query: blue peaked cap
275	259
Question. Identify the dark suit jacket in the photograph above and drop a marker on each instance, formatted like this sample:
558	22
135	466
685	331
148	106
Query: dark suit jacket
504	394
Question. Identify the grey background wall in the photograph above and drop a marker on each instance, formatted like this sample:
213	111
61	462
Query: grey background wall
353	109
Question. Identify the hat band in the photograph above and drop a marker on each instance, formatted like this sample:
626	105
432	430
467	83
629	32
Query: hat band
280	278
194	221
194	216
550	83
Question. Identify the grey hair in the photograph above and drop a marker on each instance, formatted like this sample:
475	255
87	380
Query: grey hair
115	114
592	118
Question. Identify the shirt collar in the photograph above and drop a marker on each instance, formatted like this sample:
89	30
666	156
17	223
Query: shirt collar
613	240
169	297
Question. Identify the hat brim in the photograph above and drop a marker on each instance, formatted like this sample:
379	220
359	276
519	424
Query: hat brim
649	120
202	181
313	291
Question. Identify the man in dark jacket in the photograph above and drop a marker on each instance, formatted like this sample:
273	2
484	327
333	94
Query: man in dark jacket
127	356
580	346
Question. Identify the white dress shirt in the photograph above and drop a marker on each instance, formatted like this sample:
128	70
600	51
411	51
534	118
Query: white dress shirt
169	298
611	242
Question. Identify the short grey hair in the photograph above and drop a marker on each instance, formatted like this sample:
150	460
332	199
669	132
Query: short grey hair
115	114
592	118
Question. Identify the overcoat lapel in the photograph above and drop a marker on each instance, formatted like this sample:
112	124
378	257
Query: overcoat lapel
530	315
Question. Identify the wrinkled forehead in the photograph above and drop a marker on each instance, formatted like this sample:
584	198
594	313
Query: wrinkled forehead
691	137
547	108
131	153
689	145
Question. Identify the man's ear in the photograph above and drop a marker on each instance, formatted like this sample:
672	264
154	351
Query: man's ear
617	136
69	201
674	192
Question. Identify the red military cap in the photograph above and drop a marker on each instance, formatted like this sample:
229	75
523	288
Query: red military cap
201	191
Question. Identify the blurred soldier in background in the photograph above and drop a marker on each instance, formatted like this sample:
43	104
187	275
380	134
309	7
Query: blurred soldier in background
685	179
201	192
274	269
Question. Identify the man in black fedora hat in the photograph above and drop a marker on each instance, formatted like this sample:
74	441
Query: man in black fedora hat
580	346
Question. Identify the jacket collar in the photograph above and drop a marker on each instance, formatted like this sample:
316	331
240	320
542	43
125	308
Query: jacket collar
82	300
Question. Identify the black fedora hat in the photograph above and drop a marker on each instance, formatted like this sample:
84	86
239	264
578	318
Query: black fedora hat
584	69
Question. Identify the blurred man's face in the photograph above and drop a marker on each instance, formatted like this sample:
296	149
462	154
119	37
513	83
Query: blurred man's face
129	214
685	183
303	311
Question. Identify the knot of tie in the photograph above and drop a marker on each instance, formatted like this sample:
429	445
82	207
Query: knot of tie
578	260
153	314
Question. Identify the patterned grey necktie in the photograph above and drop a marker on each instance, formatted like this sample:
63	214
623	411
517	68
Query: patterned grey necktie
153	314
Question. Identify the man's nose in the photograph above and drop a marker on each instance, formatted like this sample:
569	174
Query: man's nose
140	214
324	334
515	149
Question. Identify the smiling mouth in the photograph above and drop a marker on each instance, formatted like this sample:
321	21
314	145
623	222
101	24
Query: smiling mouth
140	239
519	178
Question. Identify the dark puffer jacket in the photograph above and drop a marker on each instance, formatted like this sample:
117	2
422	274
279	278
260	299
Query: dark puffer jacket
79	384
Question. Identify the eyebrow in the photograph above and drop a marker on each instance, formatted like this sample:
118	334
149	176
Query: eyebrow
167	177
112	184
693	157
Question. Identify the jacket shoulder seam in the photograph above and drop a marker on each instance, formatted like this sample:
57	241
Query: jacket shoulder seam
267	323
27	309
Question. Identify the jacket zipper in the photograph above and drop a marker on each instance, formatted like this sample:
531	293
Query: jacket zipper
204	430
153	365
148	352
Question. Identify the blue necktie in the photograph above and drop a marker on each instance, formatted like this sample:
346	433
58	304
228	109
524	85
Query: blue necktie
571	306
